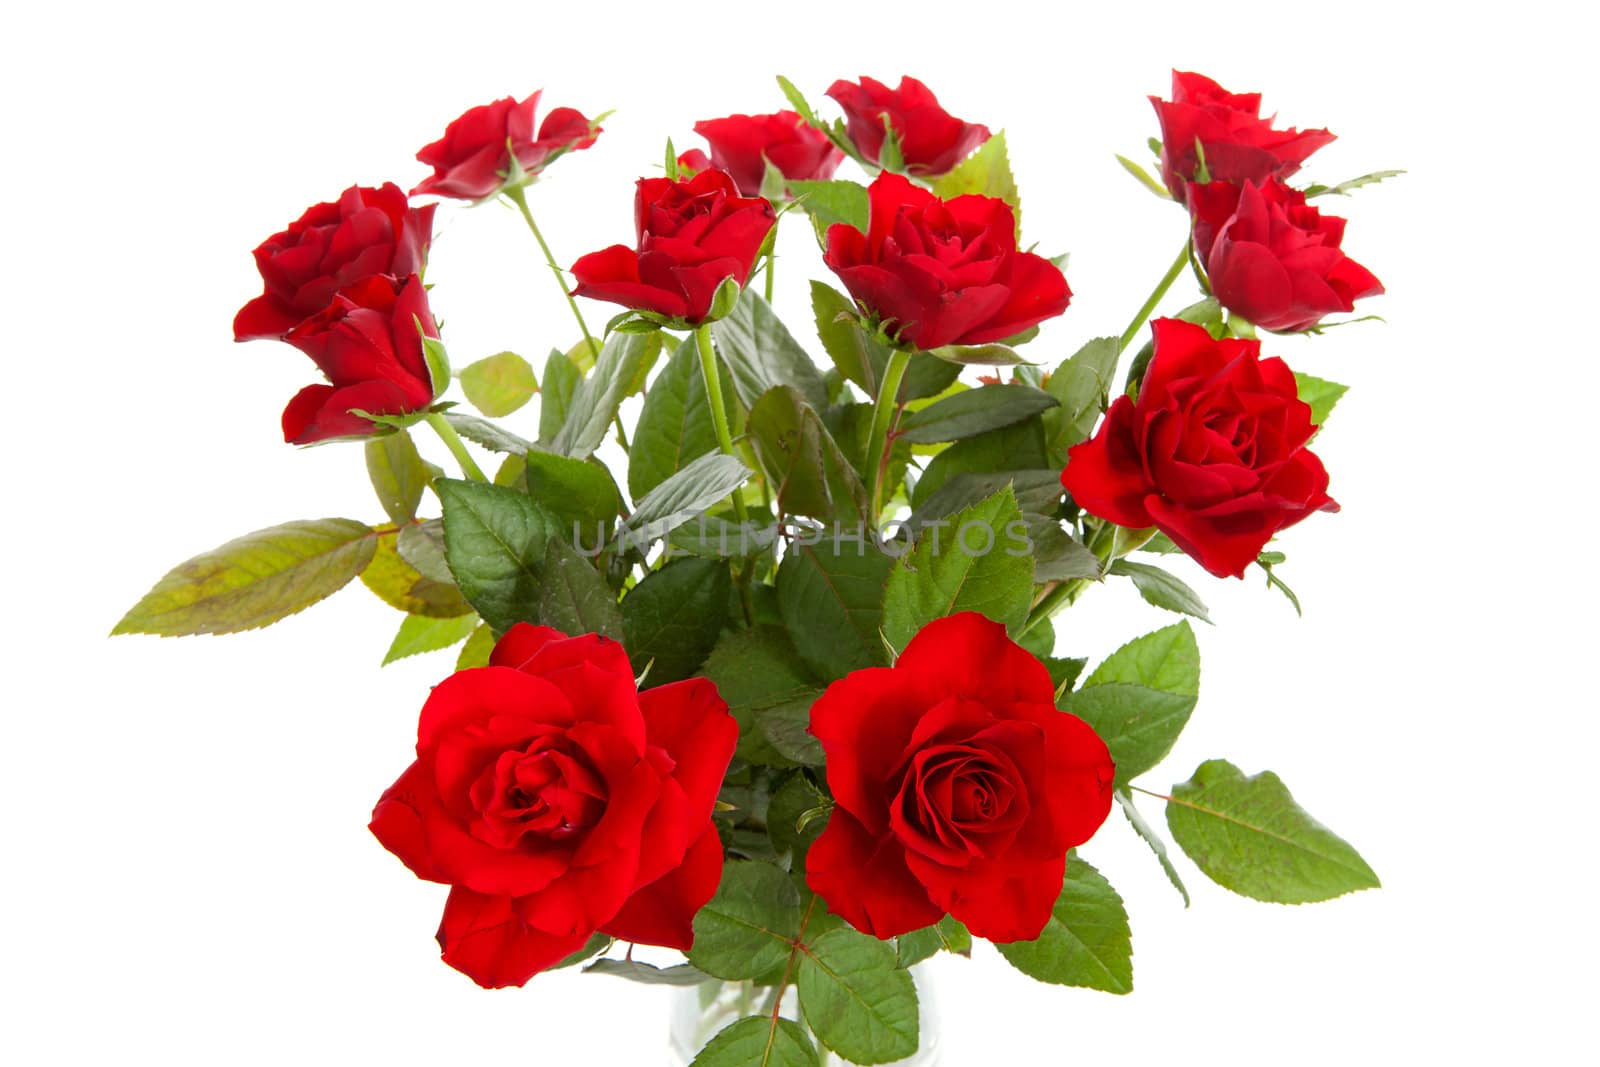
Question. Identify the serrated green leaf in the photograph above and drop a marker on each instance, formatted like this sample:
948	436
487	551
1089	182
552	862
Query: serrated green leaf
1157	844
1083	386
681	975
748	927
437	359
578	492
419	634
255	580
803	462
832	202
760	353
1086	942
622	360
573	596
759	1041
972	412
1321	395
561	378
485	433
1015	448
1344	188
1144	177
397	473
690	491
1057	556
672	618
494	543
987	172
1038	492
675	424
404	588
988	571
1247	834
1141	697
790	803
993	355
758	672
1162	588
830	595
421	544
475	653
499	384
856	998
911	949
785	728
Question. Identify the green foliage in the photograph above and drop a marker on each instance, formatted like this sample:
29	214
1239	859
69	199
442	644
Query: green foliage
1345	188
623	362
791	821
1247	834
974	411
991	355
802	460
404	588
987	571
671	619
861	358
946	935
419	633
1157	844
421	544
561	378
573	596
857	999
759	1041
692	490
398	474
760	353
1082	385
475	653
499	384
255	580
1320	394
494	542
1162	588
760	675
580	493
1086	942
1144	177
987	172
830	595
832	202
1018	447
681	975
675	424
749	926
490	435
1141	697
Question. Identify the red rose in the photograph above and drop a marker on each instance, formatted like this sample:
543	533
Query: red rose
958	787
367	231
932	141
557	800
944	272
471	162
693	233
368	344
691	162
1239	144
1272	258
1212	452
743	144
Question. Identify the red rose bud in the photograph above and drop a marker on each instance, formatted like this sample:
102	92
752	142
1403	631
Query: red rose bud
367	343
932	141
743	144
1239	144
366	231
471	162
693	234
1212	452
692	162
958	786
1272	258
943	272
556	800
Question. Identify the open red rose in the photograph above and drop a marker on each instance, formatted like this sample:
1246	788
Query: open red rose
958	787
944	272
368	343
1239	144
471	160
366	231
932	141
1212	452
557	800
743	144
693	234
1272	258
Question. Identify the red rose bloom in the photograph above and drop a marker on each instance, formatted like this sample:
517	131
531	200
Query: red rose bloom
693	234
1212	452
556	800
1272	258
944	272
743	144
367	231
932	141
958	787
368	344
471	162
1239	144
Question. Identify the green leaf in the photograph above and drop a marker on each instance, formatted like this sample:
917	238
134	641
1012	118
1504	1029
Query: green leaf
255	580
911	949
561	378
785	727
485	433
974	411
830	595
956	937
690	491
1141	697
1086	942
861	358
578	492
980	565
995	355
1144	177
1038	492
856	998
1157	844
987	172
1018	447
681	975
421	544
759	1041
1162	588
494	542
675	423
832	202
593	947
403	587
802	460
673	617
398	474
622	362
437	359
1083	386
1321	395
1346	187
748	927
759	673
1063	672
797	100
791	802
760	353
573	596
475	653
1247	834
1057	556
499	384
419	634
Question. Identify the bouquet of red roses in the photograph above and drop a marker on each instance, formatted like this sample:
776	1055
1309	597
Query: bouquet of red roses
770	677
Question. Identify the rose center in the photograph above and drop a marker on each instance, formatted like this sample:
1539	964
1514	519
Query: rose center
543	792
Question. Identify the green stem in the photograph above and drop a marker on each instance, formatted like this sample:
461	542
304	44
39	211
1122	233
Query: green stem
766	283
516	196
452	441
883	414
1064	594
1155	298
719	412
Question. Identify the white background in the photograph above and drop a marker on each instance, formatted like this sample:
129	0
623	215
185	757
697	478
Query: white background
188	876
